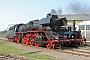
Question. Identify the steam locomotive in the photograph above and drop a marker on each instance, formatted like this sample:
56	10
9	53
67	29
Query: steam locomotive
50	32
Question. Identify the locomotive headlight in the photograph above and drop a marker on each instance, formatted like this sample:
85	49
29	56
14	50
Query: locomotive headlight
56	37
72	36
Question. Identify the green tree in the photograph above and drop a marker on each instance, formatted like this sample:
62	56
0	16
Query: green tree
4	31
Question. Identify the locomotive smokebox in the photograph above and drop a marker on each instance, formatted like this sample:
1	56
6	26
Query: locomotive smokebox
11	32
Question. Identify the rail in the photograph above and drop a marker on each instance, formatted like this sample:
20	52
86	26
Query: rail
78	52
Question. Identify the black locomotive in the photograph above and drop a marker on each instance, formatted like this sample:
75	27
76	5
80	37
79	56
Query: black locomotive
50	31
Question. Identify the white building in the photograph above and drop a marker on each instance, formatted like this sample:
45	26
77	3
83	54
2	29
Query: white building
83	26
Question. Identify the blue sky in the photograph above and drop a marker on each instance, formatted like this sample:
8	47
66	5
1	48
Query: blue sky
22	11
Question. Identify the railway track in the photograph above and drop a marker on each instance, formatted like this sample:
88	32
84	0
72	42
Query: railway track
4	56
74	51
77	52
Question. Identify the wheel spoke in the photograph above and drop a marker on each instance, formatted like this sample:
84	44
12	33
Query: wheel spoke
27	42
36	44
48	46
23	41
31	43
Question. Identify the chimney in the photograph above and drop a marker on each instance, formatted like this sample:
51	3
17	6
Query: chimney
49	14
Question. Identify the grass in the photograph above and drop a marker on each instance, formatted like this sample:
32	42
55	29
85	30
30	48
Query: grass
12	50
